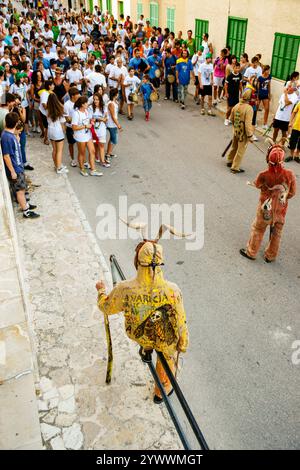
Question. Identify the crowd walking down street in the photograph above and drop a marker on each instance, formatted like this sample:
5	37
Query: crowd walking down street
86	86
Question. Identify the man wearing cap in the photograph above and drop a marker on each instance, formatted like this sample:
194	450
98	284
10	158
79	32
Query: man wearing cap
277	185
184	69
241	118
197	59
205	76
153	310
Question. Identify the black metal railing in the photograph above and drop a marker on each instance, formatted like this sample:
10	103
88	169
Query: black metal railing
116	272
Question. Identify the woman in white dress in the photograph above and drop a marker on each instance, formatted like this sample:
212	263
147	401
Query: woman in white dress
98	116
81	126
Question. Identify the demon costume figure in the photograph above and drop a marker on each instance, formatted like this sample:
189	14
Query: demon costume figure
152	306
241	117
277	185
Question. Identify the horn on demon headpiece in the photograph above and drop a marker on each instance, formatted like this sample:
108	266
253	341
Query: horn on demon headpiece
149	253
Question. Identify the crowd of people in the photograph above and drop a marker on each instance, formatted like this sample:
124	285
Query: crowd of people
66	73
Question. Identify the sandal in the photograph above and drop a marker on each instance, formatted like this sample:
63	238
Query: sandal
244	253
46	142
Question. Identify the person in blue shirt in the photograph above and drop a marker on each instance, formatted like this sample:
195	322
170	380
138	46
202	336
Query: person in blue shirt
170	68
40	58
147	88
155	63
14	168
184	69
139	64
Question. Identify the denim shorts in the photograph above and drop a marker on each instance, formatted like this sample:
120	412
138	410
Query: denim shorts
113	132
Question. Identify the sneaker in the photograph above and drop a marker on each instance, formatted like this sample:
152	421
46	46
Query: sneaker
34	129
95	173
28	167
265	127
176	101
29	134
62	170
83	172
107	160
226	122
218	100
166	98
237	171
202	111
31	207
97	160
215	103
38	129
210	112
73	163
254	138
182	106
105	164
112	155
28	214
87	165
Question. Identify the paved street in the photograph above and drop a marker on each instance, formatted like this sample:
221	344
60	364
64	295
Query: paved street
243	316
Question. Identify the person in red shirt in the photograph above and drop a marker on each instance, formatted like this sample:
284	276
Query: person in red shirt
177	49
277	185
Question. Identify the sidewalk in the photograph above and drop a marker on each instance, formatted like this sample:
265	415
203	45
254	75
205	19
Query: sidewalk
63	261
19	424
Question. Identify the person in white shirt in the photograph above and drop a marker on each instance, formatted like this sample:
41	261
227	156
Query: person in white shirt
117	75
284	111
118	42
205	76
81	125
47	33
108	70
95	78
48	54
197	60
56	127
207	46
254	70
141	21
79	39
98	114
74	75
68	113
131	84
44	95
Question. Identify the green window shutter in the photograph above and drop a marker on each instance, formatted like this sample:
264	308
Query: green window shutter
139	10
201	27
285	55
154	14
108	6
91	6
171	19
121	8
100	5
236	35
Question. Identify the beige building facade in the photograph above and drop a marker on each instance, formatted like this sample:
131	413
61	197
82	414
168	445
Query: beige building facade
268	27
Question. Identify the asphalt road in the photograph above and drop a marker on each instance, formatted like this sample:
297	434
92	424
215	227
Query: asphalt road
243	316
